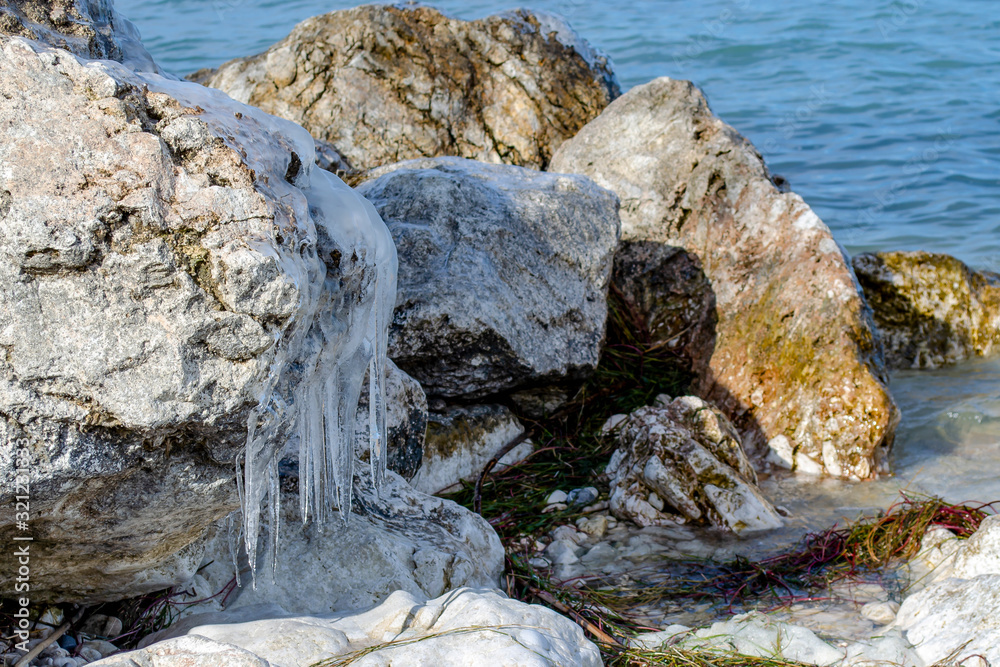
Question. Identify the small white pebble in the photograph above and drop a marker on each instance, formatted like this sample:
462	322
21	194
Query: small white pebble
556	497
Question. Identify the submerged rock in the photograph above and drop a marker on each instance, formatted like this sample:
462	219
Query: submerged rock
503	275
164	252
388	83
464	627
930	310
400	539
793	354
460	442
684	458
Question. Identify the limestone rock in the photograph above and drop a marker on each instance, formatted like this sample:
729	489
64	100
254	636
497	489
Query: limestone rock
388	83
954	615
400	539
930	310
794	354
188	651
503	273
87	28
460	442
888	648
755	634
980	554
160	244
406	421
686	457
463	628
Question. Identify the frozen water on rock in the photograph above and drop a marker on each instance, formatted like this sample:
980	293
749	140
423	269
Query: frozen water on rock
340	266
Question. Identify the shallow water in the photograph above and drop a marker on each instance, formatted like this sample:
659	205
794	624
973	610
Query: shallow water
883	115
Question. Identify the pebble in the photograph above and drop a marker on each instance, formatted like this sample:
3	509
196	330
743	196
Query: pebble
656	501
540	563
583	496
596	526
612	422
556	497
89	653
562	552
882	613
569	534
67	642
107	648
599	506
555	507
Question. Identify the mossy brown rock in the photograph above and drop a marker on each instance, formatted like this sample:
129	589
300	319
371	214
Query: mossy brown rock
794	361
382	84
931	310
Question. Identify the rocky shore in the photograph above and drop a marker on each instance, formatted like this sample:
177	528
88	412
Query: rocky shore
589	321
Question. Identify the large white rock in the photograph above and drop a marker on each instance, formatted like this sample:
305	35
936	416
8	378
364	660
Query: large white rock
962	603
188	651
164	251
954	615
465	628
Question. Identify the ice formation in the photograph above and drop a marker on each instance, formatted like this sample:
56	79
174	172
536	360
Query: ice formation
332	247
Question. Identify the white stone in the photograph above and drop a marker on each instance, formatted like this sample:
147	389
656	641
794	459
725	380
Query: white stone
463	628
756	634
980	554
187	651
954	614
556	496
882	613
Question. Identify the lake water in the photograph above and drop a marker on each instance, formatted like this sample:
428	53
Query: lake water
883	115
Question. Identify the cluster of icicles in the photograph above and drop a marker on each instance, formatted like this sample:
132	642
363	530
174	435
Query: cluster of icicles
336	338
342	330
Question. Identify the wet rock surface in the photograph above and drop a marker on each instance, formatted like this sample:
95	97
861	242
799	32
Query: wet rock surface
931	310
682	461
794	355
388	83
503	274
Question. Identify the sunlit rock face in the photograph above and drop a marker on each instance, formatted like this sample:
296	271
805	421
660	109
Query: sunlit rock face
503	276
931	310
387	83
794	361
173	268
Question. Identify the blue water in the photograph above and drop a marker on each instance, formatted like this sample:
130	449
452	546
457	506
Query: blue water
883	115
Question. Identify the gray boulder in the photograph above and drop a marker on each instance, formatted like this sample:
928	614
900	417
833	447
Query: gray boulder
503	274
793	360
165	253
930	310
682	461
388	83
